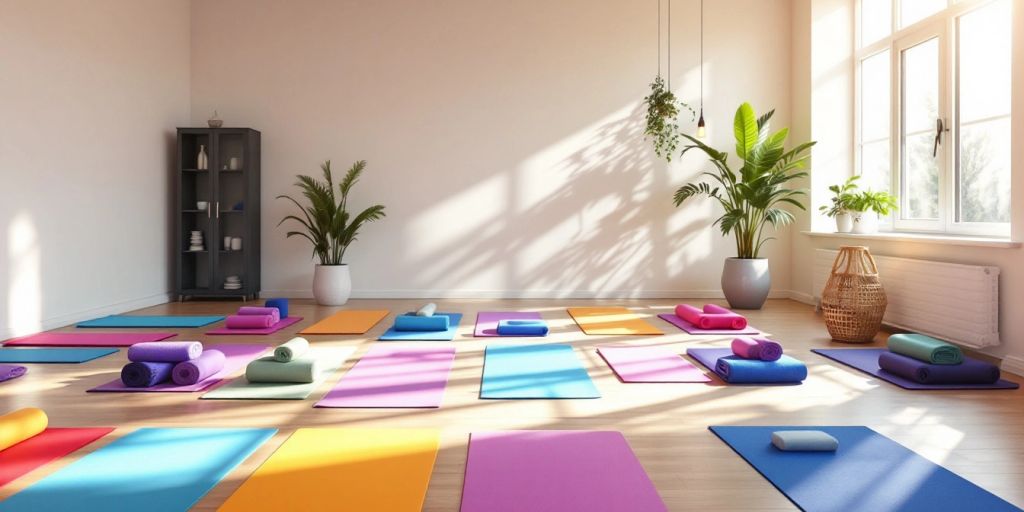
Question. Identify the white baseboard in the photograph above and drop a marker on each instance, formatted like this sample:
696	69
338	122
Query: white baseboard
87	314
805	298
521	294
1013	364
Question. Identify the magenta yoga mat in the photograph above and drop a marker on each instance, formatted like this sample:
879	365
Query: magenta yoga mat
285	322
487	321
236	357
650	364
549	470
393	376
693	329
87	339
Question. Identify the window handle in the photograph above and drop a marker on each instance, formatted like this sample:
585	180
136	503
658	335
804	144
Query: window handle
939	128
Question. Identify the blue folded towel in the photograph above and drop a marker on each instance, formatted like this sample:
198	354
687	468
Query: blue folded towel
413	322
736	370
804	441
522	328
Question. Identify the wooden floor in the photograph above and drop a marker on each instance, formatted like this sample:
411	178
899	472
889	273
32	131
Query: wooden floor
977	434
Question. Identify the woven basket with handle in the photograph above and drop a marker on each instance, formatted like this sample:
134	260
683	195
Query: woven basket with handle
853	300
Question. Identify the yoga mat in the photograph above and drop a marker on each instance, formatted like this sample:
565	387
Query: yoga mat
166	352
693	329
330	360
868	472
48	446
87	339
650	364
352	321
555	470
151	470
151	321
11	372
487	321
615	321
536	328
53	355
866	360
414	322
535	371
208	364
970	371
711	317
237	356
453	326
925	348
342	469
250	322
750	371
285	322
295	347
394	376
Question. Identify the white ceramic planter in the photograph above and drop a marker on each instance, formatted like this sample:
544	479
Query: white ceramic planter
746	282
865	223
332	285
844	223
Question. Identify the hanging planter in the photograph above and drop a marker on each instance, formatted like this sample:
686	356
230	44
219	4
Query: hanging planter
662	105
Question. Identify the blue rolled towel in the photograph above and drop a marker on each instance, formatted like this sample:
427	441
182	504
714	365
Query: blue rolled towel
145	374
522	328
413	322
279	303
736	370
804	441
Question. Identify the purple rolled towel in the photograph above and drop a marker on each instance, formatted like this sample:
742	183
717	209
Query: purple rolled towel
249	321
768	350
971	371
256	310
201	368
164	351
10	371
145	374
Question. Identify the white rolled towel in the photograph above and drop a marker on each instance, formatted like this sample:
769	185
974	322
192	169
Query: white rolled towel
427	310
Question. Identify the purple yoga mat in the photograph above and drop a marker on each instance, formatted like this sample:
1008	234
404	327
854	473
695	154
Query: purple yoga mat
650	364
236	357
390	376
487	321
866	360
693	329
257	332
970	371
203	367
555	470
164	351
87	339
249	322
11	371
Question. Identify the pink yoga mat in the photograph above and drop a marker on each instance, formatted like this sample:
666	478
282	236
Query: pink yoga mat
87	339
268	330
236	357
693	329
390	376
650	364
487	321
549	470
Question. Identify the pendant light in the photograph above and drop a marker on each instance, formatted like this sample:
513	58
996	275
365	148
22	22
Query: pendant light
701	132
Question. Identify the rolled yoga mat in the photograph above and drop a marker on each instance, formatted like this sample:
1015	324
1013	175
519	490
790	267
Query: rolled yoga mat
87	339
925	348
736	370
866	360
43	448
414	322
522	328
427	310
971	371
487	321
713	319
737	321
10	372
258	311
263	331
280	303
267	369
804	441
690	328
756	348
208	364
394	334
20	425
249	322
165	351
237	356
146	374
291	349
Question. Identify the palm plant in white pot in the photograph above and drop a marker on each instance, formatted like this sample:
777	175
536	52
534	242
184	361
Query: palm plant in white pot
331	229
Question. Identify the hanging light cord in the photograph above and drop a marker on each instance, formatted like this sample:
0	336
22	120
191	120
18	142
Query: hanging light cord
702	58
669	45
659	38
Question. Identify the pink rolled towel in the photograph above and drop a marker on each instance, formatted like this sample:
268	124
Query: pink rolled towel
249	321
756	348
735	321
255	310
689	313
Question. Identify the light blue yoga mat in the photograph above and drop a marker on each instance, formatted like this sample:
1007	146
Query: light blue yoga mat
453	325
53	355
549	370
136	321
151	470
868	472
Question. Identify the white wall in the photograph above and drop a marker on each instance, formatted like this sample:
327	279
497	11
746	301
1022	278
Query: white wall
90	94
503	137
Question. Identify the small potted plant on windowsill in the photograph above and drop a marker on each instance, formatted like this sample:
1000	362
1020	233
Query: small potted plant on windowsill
843	197
867	206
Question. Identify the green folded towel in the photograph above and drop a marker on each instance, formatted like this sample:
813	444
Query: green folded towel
291	349
925	348
266	369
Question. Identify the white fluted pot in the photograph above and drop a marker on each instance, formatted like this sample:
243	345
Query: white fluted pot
332	285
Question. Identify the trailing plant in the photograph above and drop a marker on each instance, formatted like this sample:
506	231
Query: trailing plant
881	202
326	221
753	195
662	113
843	197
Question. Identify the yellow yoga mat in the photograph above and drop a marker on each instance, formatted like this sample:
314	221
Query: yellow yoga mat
352	321
343	469
20	425
611	321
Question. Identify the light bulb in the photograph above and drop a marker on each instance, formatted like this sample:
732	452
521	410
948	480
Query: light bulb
701	132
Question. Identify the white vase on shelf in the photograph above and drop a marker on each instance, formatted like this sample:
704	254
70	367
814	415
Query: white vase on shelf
202	161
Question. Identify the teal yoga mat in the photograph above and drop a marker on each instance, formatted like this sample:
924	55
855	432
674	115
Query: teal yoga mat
549	370
136	321
53	355
453	326
151	469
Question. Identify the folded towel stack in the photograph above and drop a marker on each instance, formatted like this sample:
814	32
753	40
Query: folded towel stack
927	360
291	363
252	317
711	317
749	347
522	328
183	362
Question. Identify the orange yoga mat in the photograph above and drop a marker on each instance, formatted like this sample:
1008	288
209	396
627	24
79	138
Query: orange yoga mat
617	321
351	321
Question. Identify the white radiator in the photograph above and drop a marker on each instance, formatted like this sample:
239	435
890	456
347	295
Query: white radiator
958	303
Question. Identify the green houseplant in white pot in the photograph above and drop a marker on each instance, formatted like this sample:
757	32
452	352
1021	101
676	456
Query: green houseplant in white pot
752	198
328	225
842	201
867	206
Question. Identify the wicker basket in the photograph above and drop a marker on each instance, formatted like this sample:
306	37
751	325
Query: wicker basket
853	300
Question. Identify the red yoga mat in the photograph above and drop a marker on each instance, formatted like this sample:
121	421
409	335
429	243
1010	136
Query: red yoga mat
50	445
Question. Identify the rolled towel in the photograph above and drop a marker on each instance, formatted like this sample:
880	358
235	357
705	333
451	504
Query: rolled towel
249	321
427	310
146	374
721	315
769	350
737	370
208	364
689	313
925	348
164	351
704	320
804	441
10	371
746	347
266	369
255	310
522	328
280	303
20	425
971	371
291	349
412	322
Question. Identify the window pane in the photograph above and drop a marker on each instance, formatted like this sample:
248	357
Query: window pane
921	178
984	160
875	166
874	97
984	61
912	11
921	87
875	20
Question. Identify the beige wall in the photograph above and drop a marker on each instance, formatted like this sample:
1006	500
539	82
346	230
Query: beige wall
90	93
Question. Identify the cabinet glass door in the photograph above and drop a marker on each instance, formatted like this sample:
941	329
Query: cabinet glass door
229	210
197	229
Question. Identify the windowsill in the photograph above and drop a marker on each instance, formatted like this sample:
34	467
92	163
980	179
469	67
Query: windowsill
924	238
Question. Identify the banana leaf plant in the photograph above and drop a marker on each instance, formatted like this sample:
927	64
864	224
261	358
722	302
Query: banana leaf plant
752	196
326	221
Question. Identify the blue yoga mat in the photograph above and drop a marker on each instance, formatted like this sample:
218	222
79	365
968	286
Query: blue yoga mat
868	472
549	370
453	325
151	321
151	469
53	355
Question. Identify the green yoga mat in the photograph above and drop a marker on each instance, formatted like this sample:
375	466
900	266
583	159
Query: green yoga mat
330	360
925	348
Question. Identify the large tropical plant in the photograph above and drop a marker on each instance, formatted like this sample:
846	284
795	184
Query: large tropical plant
754	195
326	221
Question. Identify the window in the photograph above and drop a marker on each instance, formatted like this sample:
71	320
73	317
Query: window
933	103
